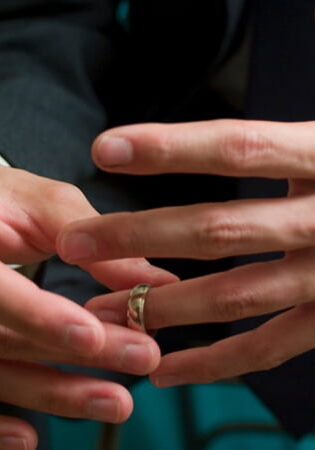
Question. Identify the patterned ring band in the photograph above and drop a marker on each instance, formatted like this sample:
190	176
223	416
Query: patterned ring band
135	309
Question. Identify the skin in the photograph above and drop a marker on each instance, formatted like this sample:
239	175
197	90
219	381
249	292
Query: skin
212	231
36	325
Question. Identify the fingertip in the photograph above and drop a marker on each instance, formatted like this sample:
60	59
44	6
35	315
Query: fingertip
155	357
160	277
110	308
126	405
59	243
166	381
141	271
86	340
110	151
154	381
16	432
101	335
76	246
126	273
94	150
126	411
140	358
32	441
88	335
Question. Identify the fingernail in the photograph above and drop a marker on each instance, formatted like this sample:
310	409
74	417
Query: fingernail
166	381
137	358
77	247
81	338
114	151
104	409
13	443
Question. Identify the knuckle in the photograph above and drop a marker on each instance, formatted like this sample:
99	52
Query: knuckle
264	355
239	308
272	361
208	372
244	147
63	193
305	228
235	306
218	234
162	143
165	147
242	306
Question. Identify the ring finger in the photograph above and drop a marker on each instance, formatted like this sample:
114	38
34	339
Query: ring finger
242	292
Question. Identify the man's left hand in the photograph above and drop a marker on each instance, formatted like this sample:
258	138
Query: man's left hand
213	231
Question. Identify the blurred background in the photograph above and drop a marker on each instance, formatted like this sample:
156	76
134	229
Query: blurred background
220	416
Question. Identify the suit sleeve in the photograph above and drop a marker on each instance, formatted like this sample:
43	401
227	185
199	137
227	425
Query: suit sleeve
53	60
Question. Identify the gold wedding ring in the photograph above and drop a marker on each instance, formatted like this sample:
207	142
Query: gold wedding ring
135	309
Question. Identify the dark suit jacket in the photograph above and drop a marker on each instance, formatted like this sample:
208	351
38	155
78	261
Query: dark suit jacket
57	62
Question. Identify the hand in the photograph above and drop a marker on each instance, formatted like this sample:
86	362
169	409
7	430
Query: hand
36	325
32	212
211	231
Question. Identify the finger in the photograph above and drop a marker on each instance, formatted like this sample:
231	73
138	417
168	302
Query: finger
46	317
246	291
33	210
124	351
221	147
48	390
270	345
15	434
114	274
28	232
126	273
203	231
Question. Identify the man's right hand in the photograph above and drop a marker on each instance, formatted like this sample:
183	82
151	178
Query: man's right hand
36	325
